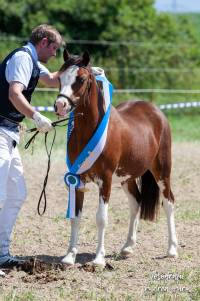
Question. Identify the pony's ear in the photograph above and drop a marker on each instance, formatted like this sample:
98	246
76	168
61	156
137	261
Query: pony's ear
65	55
85	58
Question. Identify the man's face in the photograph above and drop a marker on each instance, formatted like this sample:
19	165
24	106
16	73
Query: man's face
46	51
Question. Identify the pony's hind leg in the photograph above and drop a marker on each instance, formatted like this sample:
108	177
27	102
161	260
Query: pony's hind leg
131	190
168	206
161	173
75	222
161	169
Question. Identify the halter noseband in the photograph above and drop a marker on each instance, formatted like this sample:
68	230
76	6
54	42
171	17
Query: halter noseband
72	104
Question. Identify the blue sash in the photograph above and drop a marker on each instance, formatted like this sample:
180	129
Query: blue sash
91	151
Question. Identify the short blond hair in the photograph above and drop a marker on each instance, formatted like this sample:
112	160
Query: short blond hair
45	31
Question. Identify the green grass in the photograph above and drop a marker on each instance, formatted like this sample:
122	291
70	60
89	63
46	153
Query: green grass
185	125
188	215
17	296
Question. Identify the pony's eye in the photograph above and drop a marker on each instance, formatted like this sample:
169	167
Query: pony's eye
81	80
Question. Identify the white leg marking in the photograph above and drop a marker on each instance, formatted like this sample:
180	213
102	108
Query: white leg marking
134	220
101	220
161	186
72	250
173	244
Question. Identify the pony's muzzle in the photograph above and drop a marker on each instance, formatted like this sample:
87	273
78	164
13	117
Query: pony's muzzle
61	107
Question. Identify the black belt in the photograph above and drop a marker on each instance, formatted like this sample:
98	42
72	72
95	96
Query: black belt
9	124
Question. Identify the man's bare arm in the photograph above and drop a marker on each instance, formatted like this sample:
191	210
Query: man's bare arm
51	80
18	100
43	124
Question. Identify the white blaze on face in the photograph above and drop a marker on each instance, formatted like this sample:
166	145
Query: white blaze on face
67	79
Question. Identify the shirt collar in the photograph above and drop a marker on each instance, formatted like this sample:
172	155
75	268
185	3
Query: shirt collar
32	49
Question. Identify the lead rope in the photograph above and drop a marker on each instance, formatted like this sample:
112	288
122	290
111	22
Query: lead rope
43	192
48	151
31	140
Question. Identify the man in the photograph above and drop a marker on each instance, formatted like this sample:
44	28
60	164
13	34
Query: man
19	74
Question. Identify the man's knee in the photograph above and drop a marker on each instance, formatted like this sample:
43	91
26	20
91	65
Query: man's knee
16	188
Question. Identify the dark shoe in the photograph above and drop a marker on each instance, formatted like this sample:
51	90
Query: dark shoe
8	261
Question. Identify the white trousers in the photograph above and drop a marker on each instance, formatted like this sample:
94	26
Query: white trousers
12	189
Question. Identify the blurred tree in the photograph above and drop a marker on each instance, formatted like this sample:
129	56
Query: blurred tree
11	20
140	38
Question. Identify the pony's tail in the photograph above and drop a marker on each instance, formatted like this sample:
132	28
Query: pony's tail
149	197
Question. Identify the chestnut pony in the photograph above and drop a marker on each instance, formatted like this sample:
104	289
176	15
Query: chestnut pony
138	146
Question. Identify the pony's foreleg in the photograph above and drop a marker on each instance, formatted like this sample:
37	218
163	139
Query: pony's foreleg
75	222
72	250
101	220
131	190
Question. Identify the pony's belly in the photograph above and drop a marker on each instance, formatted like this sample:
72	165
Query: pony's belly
117	179
130	170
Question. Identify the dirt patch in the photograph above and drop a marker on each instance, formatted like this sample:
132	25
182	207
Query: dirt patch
35	266
92	268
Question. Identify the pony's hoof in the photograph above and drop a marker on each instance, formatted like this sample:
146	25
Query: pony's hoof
69	259
172	252
99	262
126	251
2	274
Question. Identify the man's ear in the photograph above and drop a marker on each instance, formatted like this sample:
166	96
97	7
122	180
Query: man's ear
44	42
85	58
65	55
